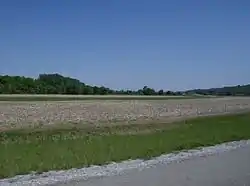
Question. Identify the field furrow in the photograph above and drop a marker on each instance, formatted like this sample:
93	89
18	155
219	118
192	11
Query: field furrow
41	113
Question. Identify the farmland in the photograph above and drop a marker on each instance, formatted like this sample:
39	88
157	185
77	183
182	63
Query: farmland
41	151
97	112
80	133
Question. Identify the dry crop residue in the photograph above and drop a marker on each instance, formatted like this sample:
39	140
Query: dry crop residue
43	113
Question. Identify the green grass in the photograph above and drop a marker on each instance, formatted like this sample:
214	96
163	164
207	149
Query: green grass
88	97
25	151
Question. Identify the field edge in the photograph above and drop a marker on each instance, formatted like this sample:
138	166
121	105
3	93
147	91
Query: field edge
21	152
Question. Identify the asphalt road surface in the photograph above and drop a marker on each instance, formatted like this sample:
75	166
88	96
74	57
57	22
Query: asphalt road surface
230	168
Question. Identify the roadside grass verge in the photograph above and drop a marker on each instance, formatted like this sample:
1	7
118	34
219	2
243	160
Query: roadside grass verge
86	97
25	150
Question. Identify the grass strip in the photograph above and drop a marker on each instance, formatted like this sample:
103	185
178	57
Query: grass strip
25	151
79	98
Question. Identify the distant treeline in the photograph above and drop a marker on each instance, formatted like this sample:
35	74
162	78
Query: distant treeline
58	84
239	90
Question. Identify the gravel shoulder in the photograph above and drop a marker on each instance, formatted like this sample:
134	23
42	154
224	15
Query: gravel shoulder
223	169
223	165
98	113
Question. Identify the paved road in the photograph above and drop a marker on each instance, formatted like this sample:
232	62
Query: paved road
226	169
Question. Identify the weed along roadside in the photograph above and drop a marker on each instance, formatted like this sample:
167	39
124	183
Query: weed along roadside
25	151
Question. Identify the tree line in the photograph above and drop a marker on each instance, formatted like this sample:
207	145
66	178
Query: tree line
239	90
58	84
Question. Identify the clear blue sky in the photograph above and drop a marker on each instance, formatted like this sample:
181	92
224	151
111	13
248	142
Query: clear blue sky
174	45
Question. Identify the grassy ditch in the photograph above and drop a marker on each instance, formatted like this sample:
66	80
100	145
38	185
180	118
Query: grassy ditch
25	151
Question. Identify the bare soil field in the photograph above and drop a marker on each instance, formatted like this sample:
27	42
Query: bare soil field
97	112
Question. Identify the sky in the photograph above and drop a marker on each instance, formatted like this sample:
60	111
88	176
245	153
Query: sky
126	44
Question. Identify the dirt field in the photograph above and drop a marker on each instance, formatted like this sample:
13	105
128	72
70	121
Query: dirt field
17	114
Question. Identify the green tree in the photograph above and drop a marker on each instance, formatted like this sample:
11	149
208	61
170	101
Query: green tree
160	92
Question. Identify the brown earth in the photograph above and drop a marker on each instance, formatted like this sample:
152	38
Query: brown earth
19	114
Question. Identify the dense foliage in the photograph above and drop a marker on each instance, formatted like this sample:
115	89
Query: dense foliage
58	84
